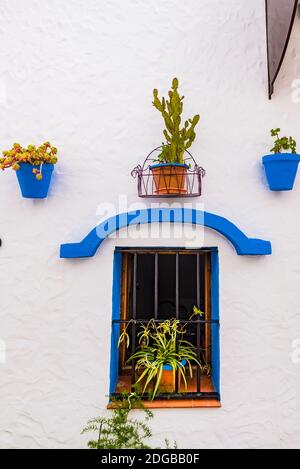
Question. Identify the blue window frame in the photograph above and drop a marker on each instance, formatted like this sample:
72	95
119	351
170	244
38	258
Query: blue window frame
195	271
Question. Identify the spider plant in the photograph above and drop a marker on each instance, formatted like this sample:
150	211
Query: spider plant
162	344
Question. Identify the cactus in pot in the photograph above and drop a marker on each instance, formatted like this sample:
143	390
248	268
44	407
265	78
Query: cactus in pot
170	172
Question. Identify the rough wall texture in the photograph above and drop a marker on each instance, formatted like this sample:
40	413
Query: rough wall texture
80	74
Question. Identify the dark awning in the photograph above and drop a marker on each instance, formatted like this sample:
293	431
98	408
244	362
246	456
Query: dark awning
280	16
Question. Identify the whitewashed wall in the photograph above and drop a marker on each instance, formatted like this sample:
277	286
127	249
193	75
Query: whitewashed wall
80	74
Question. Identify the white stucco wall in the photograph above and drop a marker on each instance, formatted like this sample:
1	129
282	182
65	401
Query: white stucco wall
81	74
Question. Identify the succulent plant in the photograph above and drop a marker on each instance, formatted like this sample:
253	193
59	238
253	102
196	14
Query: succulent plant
36	156
283	143
178	139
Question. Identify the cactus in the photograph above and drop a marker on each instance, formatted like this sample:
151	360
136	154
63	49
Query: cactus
177	139
36	156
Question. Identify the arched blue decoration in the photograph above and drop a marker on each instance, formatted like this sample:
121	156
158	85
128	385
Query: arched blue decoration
243	245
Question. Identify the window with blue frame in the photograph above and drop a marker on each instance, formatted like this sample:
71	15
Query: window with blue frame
158	284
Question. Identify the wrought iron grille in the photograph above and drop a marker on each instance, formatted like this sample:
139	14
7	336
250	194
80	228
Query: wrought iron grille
197	388
187	182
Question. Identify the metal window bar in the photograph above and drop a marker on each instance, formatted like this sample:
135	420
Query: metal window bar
198	324
179	396
133	343
177	315
184	321
156	286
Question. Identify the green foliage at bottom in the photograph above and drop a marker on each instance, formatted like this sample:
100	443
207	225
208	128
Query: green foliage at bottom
121	431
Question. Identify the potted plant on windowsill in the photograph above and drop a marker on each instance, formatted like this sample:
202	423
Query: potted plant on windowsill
162	353
34	167
170	172
281	167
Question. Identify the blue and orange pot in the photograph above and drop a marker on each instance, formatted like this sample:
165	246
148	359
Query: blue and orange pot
31	187
167	383
281	170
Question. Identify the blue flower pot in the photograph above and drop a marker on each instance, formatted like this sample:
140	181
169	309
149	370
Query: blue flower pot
31	187
281	170
170	368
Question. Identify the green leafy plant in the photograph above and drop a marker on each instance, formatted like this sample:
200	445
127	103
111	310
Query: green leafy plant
160	344
120	431
36	156
178	138
283	143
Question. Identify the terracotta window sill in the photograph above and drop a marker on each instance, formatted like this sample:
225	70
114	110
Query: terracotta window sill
124	384
178	404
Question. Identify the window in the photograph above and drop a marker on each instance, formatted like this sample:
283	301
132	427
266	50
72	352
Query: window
160	284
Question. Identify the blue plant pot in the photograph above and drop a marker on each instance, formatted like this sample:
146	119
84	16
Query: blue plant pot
163	165
32	188
281	170
170	368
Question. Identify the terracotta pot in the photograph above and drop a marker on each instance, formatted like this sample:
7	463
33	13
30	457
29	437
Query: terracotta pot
167	383
169	178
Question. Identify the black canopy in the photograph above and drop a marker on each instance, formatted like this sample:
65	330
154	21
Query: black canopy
280	16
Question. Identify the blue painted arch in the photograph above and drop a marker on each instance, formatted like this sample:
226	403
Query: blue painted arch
243	245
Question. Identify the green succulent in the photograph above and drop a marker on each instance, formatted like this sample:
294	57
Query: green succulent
283	143
36	156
